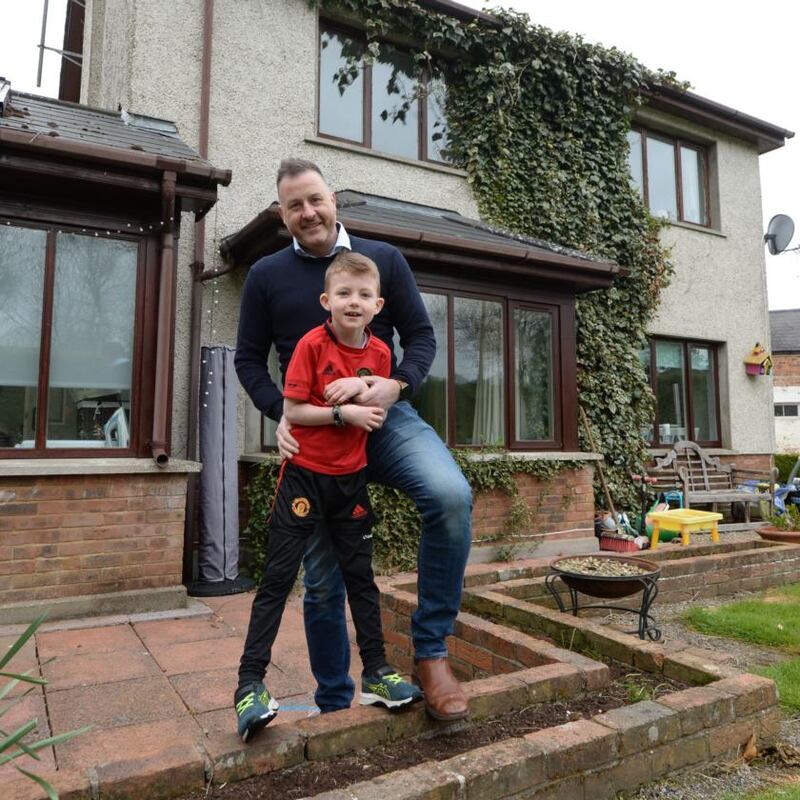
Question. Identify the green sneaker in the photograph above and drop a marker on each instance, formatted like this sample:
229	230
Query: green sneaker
387	688
255	708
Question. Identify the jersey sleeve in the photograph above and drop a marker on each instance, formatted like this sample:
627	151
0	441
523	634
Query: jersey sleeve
301	372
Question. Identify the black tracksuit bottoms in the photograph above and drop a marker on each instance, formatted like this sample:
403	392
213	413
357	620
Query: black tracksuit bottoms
303	499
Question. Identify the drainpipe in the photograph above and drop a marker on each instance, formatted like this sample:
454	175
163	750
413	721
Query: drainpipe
166	320
197	267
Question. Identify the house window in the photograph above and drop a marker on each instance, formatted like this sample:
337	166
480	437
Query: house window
67	341
388	106
493	380
683	377
671	176
786	409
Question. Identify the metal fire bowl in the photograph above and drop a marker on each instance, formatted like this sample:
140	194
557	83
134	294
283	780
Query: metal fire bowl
611	586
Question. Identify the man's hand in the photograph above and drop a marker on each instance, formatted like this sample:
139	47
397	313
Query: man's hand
369	418
287	444
343	389
383	392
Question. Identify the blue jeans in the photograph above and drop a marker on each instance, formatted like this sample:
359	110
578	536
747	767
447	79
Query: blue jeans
407	454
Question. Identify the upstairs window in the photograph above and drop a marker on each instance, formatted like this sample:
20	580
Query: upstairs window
388	106
671	176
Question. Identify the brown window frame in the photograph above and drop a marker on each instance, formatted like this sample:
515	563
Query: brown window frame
713	348
144	330
562	316
677	144
366	122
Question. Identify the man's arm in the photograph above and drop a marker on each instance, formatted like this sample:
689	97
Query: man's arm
253	343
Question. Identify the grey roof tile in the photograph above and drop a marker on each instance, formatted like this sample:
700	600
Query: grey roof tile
785	330
45	116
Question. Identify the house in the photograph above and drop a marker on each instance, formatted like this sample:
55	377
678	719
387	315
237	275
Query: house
785	338
243	85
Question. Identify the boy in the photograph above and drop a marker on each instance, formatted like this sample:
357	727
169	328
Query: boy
325	481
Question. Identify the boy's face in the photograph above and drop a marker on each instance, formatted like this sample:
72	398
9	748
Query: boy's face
352	300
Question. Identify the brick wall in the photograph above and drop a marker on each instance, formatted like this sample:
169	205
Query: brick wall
63	536
564	504
786	369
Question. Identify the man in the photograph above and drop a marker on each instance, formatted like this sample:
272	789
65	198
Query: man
280	304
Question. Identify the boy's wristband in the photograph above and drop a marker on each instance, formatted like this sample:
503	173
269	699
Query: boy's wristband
338	417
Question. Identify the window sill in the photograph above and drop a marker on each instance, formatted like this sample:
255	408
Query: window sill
412	162
274	458
41	467
659	452
674	223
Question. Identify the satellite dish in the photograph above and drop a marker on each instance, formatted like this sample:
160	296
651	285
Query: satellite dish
779	233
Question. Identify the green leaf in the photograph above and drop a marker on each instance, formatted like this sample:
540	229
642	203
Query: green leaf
20	643
51	792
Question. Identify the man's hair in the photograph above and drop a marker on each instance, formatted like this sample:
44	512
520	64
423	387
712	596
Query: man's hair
349	263
290	167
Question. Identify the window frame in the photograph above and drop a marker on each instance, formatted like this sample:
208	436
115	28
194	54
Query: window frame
686	344
677	143
366	116
144	330
783	406
561	310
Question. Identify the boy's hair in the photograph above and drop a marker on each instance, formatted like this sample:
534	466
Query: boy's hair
351	263
290	167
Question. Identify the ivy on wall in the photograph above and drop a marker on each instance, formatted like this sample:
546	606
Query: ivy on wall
539	120
396	531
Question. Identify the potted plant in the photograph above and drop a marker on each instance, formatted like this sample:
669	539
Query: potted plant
783	527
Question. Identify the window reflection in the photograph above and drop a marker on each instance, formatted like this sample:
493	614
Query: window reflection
395	106
694	201
91	356
341	107
431	400
533	369
22	257
635	160
704	394
479	373
661	194
436	122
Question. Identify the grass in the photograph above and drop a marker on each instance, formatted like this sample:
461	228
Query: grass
786	675
788	792
773	621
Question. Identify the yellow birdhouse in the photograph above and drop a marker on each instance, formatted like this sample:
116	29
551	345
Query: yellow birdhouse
759	362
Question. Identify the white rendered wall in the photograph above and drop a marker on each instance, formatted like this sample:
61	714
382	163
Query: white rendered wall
719	289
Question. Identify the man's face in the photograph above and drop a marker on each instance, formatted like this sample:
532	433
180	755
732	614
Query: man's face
308	209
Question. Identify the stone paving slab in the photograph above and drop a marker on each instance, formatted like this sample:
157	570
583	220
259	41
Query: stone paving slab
66	672
115	705
107	639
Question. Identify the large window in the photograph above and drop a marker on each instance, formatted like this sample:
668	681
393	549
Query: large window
493	381
388	105
67	340
671	176
683	376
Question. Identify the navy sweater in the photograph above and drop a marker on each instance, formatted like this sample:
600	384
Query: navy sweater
280	304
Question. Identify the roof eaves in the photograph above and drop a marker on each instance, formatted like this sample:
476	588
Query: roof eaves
460	12
708	112
115	155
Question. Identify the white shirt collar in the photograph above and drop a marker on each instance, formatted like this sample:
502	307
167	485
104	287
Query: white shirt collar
342	243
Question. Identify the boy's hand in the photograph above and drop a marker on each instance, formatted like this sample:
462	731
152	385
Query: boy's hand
369	418
343	389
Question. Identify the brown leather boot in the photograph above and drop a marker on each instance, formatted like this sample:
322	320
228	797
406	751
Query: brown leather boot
444	697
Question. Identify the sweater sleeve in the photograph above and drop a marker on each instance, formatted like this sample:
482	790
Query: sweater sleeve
412	323
253	343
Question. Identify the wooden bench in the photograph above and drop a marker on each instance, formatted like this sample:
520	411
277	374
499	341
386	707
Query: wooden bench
705	480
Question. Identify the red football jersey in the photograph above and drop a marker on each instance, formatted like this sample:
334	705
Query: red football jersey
318	360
